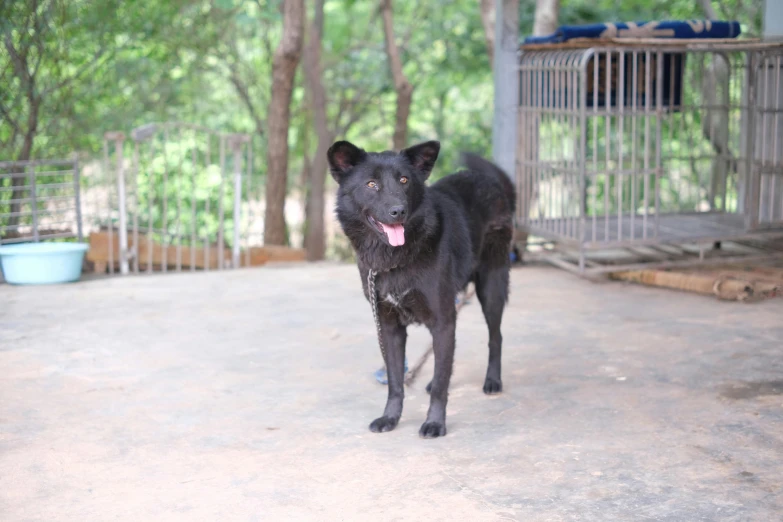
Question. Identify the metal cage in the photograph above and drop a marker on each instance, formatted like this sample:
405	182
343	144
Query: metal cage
641	145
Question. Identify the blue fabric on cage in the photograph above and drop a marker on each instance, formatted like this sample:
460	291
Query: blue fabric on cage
663	29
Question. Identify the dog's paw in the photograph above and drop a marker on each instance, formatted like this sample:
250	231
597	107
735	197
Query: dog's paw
382	424
429	387
432	429
492	386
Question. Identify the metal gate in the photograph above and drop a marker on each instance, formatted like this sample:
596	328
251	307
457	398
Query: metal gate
176	194
39	200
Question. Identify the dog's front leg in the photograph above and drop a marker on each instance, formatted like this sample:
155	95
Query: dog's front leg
443	338
394	335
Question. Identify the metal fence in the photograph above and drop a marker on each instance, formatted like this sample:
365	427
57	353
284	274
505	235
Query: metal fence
176	200
39	200
629	145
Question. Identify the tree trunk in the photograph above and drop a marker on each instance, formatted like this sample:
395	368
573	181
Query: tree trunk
715	122
284	67
547	12
17	183
709	11
304	180
488	20
316	231
315	239
401	84
440	116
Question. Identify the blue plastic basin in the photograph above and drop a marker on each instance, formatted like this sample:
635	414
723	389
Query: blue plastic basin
42	263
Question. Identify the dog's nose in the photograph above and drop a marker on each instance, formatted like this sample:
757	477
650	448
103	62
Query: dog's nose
397	211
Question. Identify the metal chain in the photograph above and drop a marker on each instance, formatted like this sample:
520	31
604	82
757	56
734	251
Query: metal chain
374	302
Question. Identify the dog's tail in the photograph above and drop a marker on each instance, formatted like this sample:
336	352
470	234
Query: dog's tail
476	163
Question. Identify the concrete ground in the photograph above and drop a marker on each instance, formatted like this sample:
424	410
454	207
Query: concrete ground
246	395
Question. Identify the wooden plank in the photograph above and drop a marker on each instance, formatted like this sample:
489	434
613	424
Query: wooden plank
99	253
273	253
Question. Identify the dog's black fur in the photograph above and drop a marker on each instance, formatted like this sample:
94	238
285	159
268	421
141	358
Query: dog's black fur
456	231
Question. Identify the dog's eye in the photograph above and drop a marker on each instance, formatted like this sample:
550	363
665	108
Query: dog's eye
403	180
372	184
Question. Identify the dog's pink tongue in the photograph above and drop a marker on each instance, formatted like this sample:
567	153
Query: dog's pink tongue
395	234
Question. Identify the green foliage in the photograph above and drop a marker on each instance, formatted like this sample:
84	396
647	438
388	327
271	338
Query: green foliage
115	65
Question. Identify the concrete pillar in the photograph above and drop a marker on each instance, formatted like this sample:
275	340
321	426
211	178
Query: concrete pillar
768	138
773	19
506	81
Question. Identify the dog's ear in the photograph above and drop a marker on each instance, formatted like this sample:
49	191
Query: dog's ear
423	156
343	156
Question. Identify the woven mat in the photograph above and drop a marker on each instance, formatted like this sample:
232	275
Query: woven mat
744	283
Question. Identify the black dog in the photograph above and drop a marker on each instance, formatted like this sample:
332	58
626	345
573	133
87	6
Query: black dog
426	244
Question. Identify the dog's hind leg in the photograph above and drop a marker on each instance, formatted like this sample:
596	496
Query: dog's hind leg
394	336
492	291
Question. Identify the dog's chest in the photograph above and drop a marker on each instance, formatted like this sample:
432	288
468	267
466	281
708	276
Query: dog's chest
409	303
396	298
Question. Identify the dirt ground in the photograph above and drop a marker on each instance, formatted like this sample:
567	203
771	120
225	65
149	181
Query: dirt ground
246	395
